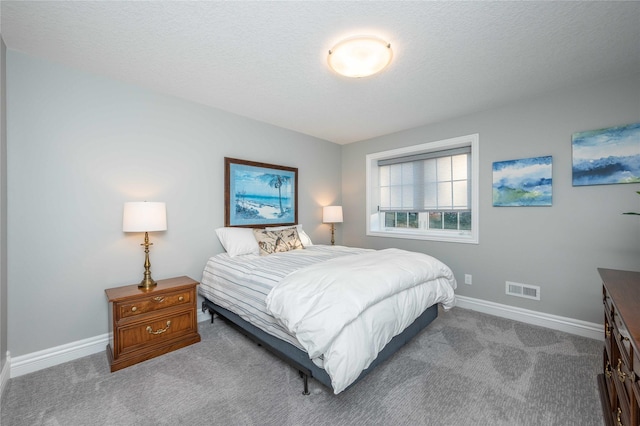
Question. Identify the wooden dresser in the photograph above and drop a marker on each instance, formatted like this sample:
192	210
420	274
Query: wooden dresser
147	323
620	381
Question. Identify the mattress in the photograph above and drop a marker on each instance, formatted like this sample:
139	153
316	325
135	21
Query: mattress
242	283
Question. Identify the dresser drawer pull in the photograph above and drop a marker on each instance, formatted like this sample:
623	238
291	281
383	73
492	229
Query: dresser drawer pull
607	370
160	330
158	299
618	417
133	309
181	299
622	376
607	329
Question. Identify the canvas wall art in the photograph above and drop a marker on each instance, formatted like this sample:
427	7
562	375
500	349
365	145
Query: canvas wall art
259	194
606	156
524	182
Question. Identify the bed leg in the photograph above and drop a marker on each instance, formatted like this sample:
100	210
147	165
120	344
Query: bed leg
204	308
305	379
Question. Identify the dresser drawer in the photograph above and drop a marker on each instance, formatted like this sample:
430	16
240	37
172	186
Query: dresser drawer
154	331
636	366
608	380
636	391
623	378
622	417
608	303
153	303
608	334
622	337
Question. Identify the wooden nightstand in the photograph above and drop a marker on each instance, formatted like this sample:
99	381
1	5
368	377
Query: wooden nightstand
144	324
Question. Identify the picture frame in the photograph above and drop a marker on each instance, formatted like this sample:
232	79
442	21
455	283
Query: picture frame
257	194
526	182
606	156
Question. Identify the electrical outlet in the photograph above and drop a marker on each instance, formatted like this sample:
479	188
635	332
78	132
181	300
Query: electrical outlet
467	279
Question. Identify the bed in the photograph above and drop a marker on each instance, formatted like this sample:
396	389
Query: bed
332	312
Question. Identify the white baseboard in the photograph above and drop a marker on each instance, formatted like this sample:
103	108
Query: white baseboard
4	374
554	322
29	363
35	361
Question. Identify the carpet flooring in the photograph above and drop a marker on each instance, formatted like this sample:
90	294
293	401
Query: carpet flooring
466	368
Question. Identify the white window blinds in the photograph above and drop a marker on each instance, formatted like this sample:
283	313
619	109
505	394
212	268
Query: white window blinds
427	181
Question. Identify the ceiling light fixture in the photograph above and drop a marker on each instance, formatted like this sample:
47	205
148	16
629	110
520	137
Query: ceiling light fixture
360	56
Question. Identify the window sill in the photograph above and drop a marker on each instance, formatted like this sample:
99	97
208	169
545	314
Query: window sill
451	237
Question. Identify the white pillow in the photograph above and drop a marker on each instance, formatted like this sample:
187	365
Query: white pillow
304	238
238	241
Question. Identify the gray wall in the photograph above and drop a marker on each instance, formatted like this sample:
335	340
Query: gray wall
557	248
3	208
79	146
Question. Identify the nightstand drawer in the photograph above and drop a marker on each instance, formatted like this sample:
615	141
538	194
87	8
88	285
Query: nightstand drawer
155	331
153	303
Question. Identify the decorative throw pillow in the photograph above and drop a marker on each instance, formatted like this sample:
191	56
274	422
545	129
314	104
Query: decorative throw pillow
277	241
304	238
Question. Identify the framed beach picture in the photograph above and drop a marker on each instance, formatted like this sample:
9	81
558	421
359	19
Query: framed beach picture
525	182
606	156
259	194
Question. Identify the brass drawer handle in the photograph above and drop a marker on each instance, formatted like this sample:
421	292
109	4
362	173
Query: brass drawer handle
607	329
158	299
622	376
618	417
607	370
181	299
160	330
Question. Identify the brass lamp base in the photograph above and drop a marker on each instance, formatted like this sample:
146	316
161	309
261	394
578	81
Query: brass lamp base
147	282
333	240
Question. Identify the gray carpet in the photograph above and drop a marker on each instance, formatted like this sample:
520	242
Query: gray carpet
466	368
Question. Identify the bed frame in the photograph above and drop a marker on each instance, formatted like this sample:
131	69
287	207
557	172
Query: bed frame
300	359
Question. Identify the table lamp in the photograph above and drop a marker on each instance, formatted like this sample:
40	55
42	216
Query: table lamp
143	216
332	215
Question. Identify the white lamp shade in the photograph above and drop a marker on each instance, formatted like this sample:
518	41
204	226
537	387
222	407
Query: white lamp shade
360	56
332	214
143	216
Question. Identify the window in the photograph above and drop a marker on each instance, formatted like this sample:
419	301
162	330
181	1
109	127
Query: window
428	191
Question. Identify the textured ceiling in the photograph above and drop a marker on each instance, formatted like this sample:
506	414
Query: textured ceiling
267	60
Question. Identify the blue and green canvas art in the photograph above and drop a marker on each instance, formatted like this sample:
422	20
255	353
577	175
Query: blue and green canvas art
607	156
525	182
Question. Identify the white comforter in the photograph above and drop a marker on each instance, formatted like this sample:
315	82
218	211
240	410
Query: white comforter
347	309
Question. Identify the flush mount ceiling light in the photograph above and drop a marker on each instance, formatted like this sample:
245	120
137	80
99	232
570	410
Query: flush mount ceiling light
360	56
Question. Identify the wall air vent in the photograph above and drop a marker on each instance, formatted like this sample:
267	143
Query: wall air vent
523	290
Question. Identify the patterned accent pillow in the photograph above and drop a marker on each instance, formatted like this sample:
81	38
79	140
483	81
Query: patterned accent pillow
277	241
